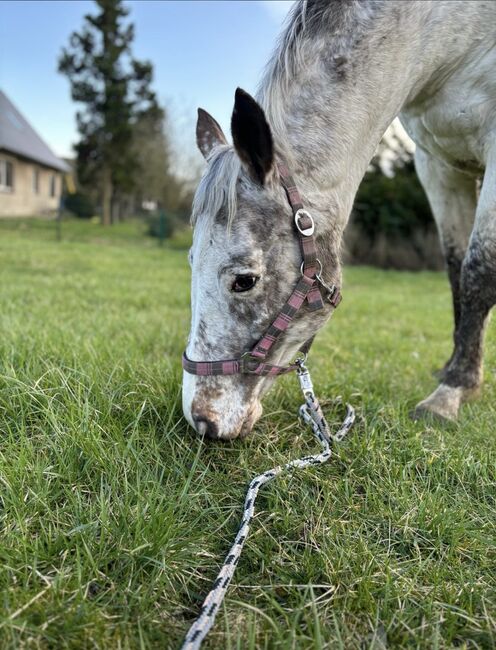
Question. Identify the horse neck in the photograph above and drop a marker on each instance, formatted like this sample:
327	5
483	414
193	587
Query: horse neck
343	90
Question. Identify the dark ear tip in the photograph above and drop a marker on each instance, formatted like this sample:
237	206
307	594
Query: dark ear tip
241	94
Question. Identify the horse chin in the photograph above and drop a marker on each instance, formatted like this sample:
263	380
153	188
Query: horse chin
229	430
250	420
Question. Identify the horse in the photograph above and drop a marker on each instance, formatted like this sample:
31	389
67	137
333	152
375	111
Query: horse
340	74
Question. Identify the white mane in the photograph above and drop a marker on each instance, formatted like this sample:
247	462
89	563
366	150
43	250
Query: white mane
299	43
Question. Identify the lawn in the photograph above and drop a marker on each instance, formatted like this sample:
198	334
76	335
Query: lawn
114	518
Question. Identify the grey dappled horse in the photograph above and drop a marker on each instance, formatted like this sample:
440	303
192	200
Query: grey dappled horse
340	74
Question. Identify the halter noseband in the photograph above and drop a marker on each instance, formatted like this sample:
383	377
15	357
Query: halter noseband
307	288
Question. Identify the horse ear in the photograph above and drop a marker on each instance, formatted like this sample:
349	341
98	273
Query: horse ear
208	133
251	136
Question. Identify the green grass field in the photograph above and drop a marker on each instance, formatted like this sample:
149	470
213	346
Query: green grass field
114	518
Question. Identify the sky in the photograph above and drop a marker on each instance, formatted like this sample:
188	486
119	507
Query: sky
201	51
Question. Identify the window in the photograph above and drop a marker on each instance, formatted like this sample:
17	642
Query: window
53	185
6	176
36	181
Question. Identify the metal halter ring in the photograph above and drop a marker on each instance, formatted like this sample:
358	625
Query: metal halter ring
306	232
331	289
319	272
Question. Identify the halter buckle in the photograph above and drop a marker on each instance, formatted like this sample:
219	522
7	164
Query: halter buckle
306	232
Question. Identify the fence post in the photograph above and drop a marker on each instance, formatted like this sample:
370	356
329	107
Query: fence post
59	218
161	227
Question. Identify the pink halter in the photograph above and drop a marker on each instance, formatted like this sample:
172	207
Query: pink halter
307	288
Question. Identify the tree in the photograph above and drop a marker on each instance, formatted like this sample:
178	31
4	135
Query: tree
115	90
152	154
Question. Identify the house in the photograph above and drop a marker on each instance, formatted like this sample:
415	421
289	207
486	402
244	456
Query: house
31	175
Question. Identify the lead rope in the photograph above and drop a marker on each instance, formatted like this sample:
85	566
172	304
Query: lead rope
312	414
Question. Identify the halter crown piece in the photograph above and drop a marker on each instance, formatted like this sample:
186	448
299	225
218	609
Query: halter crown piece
308	288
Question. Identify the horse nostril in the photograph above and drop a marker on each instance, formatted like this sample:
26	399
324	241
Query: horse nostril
206	428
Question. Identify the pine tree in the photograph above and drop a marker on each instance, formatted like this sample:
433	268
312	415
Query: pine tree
115	90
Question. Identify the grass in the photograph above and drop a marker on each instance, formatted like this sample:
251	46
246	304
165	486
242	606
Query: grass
114	518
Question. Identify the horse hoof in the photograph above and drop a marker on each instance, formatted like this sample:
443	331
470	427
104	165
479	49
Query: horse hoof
442	405
420	412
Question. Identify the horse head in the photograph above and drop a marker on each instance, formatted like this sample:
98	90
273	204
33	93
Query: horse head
245	261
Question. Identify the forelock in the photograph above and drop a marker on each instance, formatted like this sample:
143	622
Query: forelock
217	187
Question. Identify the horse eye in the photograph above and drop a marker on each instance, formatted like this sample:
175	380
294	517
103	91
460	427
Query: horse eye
244	283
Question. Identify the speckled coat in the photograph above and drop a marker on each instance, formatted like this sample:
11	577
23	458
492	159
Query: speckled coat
340	74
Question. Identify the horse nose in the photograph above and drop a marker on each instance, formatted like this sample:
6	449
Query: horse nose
206	428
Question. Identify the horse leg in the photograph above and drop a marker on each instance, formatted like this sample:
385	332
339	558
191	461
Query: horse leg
463	376
453	199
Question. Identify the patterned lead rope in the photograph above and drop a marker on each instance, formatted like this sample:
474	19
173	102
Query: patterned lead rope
312	414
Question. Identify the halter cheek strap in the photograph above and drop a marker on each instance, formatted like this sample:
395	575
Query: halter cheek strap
308	288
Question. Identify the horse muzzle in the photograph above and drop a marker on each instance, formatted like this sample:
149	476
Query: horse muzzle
218	414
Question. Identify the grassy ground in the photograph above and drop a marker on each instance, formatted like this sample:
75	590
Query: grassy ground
114	518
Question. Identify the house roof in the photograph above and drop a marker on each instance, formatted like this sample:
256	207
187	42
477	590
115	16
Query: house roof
19	137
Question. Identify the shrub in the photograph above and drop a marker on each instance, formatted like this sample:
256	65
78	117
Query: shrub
395	206
391	225
80	205
161	226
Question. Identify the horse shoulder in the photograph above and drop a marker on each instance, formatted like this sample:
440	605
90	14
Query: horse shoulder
457	121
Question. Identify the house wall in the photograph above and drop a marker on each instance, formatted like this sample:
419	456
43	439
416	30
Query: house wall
23	200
